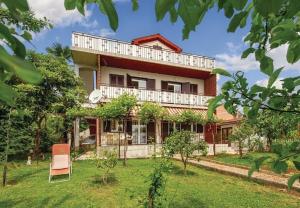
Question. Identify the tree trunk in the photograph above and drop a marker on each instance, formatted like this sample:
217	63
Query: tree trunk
4	176
37	140
240	149
184	164
125	141
150	200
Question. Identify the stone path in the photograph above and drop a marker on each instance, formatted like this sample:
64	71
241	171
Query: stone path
262	176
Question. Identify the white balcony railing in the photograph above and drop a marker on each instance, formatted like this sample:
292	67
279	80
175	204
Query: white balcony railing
109	92
108	46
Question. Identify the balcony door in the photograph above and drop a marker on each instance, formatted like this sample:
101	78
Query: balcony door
139	132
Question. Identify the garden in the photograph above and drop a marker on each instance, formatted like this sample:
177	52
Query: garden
128	187
41	96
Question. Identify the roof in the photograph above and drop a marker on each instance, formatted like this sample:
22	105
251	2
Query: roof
159	37
227	118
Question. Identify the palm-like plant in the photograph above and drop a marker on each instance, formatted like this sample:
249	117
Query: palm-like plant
60	51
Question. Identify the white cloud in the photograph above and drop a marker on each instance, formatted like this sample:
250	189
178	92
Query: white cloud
55	11
279	57
233	48
234	62
104	32
277	84
232	59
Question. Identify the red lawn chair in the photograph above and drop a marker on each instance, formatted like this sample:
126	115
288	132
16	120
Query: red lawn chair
61	161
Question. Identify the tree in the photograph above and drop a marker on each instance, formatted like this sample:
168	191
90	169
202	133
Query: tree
242	134
59	91
152	112
273	125
107	162
118	109
17	23
60	51
182	143
157	183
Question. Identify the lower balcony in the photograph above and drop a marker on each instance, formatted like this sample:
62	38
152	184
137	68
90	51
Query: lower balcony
163	97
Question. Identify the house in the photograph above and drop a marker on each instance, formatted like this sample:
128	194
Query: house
153	69
226	122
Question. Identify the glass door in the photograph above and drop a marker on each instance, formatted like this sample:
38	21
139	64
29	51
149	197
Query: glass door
135	132
139	132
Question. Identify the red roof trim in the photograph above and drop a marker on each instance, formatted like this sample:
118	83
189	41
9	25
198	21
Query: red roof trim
159	37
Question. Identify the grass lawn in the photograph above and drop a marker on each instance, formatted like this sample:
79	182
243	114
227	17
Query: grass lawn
201	188
246	160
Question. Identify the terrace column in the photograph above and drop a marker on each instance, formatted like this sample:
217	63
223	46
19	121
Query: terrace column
76	133
98	72
158	131
98	135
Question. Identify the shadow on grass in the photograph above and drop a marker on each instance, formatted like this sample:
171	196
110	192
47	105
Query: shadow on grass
180	171
189	201
20	177
111	180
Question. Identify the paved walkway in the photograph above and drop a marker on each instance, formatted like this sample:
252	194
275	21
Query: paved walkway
262	176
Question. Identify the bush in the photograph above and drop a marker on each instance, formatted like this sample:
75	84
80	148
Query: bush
182	143
107	162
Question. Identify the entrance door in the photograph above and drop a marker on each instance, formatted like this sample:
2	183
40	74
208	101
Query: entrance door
139	132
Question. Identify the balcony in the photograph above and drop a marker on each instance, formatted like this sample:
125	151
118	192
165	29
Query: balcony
104	46
142	95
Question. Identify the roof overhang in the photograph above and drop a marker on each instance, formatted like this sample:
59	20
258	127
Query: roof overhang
137	65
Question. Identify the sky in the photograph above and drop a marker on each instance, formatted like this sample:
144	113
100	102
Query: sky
209	39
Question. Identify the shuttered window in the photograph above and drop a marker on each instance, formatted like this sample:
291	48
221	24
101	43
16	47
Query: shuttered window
116	80
194	89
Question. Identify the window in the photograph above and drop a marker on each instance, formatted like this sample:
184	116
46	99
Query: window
194	89
139	83
226	132
174	87
113	126
116	80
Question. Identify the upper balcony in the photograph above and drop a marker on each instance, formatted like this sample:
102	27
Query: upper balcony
108	47
107	92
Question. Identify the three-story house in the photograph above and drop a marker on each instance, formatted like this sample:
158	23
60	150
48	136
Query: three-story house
153	69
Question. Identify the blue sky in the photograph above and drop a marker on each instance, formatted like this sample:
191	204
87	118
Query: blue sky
210	38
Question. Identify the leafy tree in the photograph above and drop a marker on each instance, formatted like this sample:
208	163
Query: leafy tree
107	162
182	143
273	125
16	24
118	109
242	134
60	51
157	183
152	112
59	91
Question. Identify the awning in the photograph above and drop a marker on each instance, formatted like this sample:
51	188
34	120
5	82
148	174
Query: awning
178	111
172	111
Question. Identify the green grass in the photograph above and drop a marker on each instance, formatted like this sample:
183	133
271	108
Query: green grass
247	160
201	188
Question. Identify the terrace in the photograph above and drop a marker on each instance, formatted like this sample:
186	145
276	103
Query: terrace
110	47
